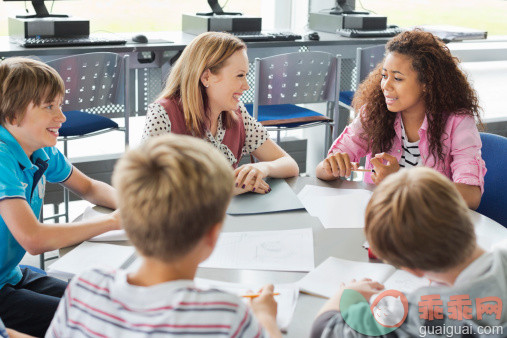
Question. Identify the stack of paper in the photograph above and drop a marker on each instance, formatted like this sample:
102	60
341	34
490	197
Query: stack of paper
113	235
88	255
336	208
287	298
283	250
454	33
325	280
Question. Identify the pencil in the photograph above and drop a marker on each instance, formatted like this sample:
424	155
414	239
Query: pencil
364	170
255	295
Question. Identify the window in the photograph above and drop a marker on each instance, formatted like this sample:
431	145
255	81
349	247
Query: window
128	15
487	15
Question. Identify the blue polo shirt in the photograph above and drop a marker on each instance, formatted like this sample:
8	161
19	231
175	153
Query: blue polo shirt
23	177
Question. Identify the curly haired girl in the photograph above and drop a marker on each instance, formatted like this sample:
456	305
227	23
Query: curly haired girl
423	113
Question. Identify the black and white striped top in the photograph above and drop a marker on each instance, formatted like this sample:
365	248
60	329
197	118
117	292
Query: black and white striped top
411	156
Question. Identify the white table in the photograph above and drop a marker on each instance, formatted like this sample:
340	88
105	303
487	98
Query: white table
341	243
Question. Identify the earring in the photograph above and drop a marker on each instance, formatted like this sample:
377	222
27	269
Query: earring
206	85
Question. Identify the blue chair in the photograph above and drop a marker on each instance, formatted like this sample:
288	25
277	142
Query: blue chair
494	200
367	58
284	81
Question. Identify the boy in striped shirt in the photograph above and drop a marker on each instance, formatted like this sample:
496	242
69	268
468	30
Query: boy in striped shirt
173	192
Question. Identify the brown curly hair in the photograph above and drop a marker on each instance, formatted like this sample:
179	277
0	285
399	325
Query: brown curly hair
447	92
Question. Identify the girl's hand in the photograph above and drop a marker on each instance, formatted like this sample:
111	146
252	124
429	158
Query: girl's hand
383	170
250	177
339	165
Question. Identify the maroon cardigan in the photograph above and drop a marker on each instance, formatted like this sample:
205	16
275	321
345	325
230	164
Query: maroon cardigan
234	137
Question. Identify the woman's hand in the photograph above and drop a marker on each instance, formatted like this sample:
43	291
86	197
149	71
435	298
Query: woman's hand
383	170
264	189
250	177
338	165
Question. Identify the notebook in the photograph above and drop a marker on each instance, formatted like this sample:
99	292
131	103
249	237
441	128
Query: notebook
90	254
325	280
286	300
281	198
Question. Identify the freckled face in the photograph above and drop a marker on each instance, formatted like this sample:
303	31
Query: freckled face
400	84
225	88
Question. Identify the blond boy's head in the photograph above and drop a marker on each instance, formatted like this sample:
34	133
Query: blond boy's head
23	81
172	190
417	219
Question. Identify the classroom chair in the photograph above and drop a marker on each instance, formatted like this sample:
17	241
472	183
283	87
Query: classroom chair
284	81
494	200
367	58
96	92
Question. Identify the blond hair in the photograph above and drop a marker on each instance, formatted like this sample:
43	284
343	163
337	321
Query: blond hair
171	191
417	219
23	81
207	51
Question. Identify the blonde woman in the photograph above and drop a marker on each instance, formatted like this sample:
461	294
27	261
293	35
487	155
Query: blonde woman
201	98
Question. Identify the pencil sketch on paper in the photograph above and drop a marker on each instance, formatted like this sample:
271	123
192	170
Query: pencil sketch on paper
283	250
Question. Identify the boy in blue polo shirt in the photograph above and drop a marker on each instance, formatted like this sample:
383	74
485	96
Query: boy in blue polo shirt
31	94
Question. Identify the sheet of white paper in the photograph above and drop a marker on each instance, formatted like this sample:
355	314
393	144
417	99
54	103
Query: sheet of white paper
113	235
91	212
87	255
287	298
405	282
309	192
489	234
336	208
500	244
283	250
326	278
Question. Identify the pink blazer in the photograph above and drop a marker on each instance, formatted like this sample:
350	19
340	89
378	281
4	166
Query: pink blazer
461	144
